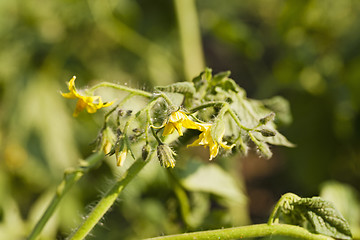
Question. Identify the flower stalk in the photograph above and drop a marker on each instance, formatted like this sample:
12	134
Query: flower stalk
108	199
122	88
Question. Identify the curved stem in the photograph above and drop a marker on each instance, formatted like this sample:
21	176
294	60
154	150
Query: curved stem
166	98
182	198
284	198
257	230
226	108
237	121
70	178
122	88
108	199
156	136
206	105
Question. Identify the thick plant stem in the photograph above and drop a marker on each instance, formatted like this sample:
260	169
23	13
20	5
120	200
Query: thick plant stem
108	200
70	178
258	230
190	36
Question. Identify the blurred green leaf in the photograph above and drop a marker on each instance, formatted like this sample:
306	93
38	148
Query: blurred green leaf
346	200
210	178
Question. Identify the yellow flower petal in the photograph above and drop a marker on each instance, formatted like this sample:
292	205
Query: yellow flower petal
68	95
121	157
90	103
177	120
205	139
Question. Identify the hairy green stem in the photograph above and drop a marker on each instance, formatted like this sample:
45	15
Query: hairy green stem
122	88
190	36
253	138
226	108
258	230
206	105
166	98
181	196
237	120
70	178
108	200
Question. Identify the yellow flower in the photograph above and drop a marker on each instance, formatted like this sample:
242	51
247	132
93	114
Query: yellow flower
205	139
91	103
121	156
176	121
121	151
108	139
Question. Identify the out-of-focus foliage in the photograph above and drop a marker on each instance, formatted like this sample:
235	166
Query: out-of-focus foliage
346	200
306	51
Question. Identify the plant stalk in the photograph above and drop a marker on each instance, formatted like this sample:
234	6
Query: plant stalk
190	36
257	230
108	200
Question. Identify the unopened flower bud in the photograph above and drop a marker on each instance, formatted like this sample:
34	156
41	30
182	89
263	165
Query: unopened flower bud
166	156
120	151
145	151
118	132
267	132
121	112
243	148
120	157
264	150
267	118
107	140
137	131
129	112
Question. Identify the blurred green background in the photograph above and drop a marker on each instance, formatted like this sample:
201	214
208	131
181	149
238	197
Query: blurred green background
305	51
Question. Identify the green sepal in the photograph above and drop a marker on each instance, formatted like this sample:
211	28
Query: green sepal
207	74
221	76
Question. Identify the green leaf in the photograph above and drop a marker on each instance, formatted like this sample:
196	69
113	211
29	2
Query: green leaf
324	218
346	200
278	139
318	215
210	178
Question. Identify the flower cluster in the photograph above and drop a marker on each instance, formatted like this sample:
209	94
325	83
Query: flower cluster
179	119
220	94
